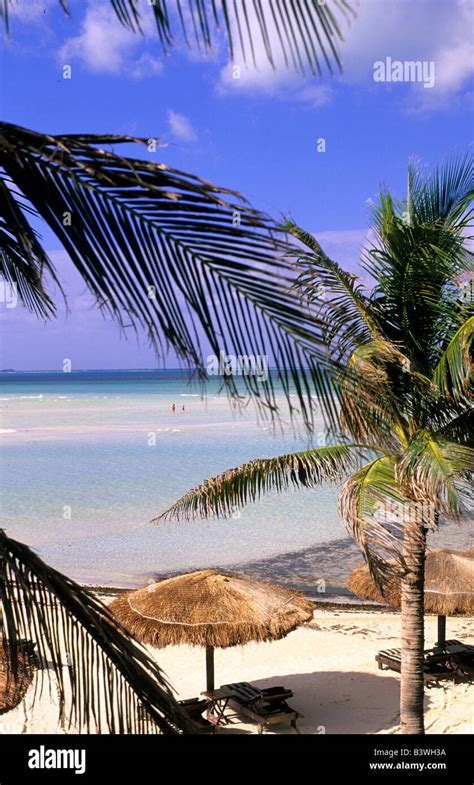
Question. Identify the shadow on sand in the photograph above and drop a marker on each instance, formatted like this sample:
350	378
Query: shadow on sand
337	702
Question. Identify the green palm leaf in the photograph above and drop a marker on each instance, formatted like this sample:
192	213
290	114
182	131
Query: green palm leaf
438	470
374	509
111	682
454	372
338	295
304	34
460	428
370	405
419	252
222	495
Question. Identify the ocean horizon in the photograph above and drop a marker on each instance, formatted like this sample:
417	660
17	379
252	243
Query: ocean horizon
90	457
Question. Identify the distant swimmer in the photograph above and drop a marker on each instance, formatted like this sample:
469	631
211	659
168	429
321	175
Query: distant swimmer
173	408
182	408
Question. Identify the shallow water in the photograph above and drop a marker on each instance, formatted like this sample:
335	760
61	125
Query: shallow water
88	459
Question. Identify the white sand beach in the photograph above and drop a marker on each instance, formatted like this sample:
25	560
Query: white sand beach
329	665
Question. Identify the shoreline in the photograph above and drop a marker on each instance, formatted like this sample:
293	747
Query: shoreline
107	592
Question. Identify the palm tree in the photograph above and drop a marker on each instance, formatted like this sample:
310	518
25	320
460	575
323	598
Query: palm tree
405	421
196	268
303	35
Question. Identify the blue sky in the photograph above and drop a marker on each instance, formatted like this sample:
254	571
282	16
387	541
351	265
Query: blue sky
258	134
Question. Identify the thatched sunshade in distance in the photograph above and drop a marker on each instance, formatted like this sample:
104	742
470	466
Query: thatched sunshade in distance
211	609
449	586
12	690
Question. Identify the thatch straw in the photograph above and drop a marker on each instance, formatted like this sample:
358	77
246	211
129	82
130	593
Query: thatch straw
211	609
449	584
12	691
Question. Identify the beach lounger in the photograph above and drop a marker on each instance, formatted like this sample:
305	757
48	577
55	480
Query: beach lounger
195	707
248	693
444	662
266	707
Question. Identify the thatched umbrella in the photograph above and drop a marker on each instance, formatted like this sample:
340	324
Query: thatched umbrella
449	586
12	690
211	609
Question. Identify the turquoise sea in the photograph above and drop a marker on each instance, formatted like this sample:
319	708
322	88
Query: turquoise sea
88	458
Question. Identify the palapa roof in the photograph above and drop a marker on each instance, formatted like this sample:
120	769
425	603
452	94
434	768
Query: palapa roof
13	691
449	584
209	608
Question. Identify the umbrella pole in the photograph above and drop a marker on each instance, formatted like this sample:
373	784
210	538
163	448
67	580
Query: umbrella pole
441	631
210	668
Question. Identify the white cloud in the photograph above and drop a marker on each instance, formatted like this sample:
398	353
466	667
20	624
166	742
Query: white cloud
280	82
180	127
432	30
145	66
104	45
314	95
419	30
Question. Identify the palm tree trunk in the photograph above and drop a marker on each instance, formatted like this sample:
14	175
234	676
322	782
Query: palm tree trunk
413	633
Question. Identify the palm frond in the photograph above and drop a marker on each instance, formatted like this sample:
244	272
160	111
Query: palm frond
337	295
222	495
370	400
23	262
304	35
179	258
374	510
445	195
461	427
104	679
454	373
437	470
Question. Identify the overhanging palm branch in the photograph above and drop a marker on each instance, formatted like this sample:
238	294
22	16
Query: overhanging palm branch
104	679
23	261
304	35
170	253
235	488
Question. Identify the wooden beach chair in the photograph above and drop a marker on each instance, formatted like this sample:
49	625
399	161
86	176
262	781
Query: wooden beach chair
441	662
248	692
265	706
195	707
